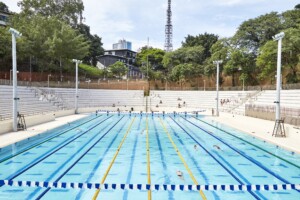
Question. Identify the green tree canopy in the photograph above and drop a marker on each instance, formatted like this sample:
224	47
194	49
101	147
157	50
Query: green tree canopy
68	10
254	33
96	44
3	7
182	72
205	40
49	40
267	59
118	69
152	55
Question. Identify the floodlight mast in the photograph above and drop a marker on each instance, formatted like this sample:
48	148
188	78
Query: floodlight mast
76	84
217	62
15	34
278	38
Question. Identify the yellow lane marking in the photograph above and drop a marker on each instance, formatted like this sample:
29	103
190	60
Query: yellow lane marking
182	159
113	160
148	160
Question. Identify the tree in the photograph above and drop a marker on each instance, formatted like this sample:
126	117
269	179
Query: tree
152	55
118	69
267	58
254	33
3	7
68	10
49	41
95	49
239	62
5	48
182	55
291	54
150	62
66	44
219	51
205	40
290	19
182	72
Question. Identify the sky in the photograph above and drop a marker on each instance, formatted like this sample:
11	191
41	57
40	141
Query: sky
138	20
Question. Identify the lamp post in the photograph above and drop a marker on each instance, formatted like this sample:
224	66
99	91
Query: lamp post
217	62
76	85
278	37
49	79
204	85
15	34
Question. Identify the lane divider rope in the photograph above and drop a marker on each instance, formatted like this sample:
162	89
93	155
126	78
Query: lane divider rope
146	187
182	159
113	160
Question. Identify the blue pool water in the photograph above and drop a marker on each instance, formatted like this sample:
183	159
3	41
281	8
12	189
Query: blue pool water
83	152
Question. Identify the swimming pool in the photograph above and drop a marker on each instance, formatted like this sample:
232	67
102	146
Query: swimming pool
145	149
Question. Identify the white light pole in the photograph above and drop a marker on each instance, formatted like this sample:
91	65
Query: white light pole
217	62
204	85
48	80
15	34
279	38
76	85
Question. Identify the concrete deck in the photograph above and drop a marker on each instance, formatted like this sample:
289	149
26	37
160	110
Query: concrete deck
13	137
262	129
257	127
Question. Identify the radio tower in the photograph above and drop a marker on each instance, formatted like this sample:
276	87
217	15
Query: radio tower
169	30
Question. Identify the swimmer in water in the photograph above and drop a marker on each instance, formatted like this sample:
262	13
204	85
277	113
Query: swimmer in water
180	174
217	147
196	147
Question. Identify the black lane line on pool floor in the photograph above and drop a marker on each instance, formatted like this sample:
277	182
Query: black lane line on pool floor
64	173
257	163
43	157
132	159
167	179
35	145
195	162
235	177
99	162
248	142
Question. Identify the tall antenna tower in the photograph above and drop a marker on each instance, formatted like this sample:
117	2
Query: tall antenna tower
169	30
